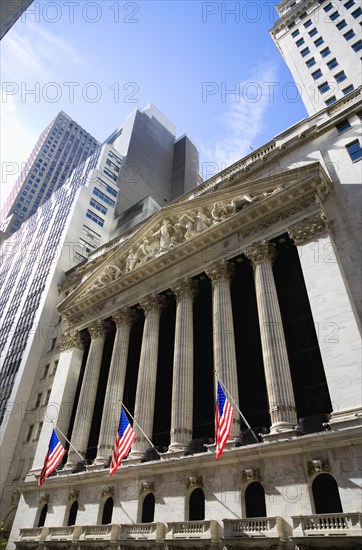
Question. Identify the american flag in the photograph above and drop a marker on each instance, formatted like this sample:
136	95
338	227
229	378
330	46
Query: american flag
224	421
54	455
125	437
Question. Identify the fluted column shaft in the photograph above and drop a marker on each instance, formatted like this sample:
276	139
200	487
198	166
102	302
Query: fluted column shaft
183	359
83	418
115	385
147	374
276	364
223	334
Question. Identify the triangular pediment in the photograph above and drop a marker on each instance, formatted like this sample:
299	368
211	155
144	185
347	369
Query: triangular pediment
181	228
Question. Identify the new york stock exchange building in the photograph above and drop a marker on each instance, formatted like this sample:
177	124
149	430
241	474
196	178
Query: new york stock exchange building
249	279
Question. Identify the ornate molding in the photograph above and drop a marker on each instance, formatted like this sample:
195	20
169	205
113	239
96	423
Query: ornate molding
98	329
125	317
250	474
147	487
153	302
318	466
184	288
107	491
222	270
71	340
308	229
260	252
73	494
194	481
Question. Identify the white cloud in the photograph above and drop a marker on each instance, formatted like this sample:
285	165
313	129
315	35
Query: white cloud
243	120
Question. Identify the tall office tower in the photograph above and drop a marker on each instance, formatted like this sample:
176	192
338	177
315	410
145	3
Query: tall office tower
321	43
72	225
60	148
10	11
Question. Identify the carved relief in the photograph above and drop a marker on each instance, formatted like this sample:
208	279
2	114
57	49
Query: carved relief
308	229
220	270
109	274
124	316
44	497
317	466
184	288
260	252
71	340
153	302
73	495
250	474
98	329
147	487
194	481
107	491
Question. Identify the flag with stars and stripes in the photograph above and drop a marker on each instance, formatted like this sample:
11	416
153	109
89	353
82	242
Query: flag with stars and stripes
54	455
224	421
124	440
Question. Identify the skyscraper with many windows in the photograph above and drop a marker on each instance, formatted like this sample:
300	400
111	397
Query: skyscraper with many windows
321	44
61	147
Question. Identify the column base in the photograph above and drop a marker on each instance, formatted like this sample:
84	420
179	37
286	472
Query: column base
175	447
101	461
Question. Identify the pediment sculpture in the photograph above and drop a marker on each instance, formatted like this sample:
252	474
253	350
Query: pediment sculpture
171	233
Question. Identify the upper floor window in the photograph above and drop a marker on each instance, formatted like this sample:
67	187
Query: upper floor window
334	15
300	42
305	52
348	90
332	63
328	7
343	126
349	34
349	4
313	32
317	74
340	76
331	100
319	41
295	33
354	150
325	52
308	23
310	62
357	46
323	88
356	13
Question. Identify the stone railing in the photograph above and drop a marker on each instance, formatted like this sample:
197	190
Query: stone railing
143	531
100	532
64	533
327	525
33	535
193	530
271	527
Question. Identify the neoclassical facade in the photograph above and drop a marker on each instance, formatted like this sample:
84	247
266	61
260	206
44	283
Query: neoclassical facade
242	283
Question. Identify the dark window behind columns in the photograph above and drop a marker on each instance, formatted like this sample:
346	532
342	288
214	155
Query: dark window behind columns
133	362
309	381
204	399
101	392
162	416
253	399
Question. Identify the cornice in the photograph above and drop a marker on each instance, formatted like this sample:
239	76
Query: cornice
292	14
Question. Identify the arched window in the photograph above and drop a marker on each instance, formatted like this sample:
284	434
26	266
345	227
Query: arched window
43	515
148	509
107	511
326	495
255	501
197	505
73	513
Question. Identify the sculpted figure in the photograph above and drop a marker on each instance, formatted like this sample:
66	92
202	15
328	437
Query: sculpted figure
219	212
131	260
165	235
109	274
187	222
144	252
239	202
202	222
178	235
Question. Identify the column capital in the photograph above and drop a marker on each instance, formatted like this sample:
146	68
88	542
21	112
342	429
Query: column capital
260	252
71	339
98	329
184	288
124	316
309	228
220	270
153	302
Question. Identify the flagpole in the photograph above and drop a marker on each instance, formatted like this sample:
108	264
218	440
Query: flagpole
59	430
235	404
135	421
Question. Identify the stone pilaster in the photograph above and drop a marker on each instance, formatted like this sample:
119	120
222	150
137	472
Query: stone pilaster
147	373
87	397
182	383
225	364
276	364
115	385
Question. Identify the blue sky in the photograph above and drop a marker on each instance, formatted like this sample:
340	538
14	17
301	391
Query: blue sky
210	67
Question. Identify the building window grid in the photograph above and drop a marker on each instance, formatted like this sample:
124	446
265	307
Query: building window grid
354	150
317	74
348	90
349	34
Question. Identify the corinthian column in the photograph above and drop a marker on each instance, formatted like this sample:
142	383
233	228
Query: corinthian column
183	359
88	392
115	385
225	364
275	357
147	373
